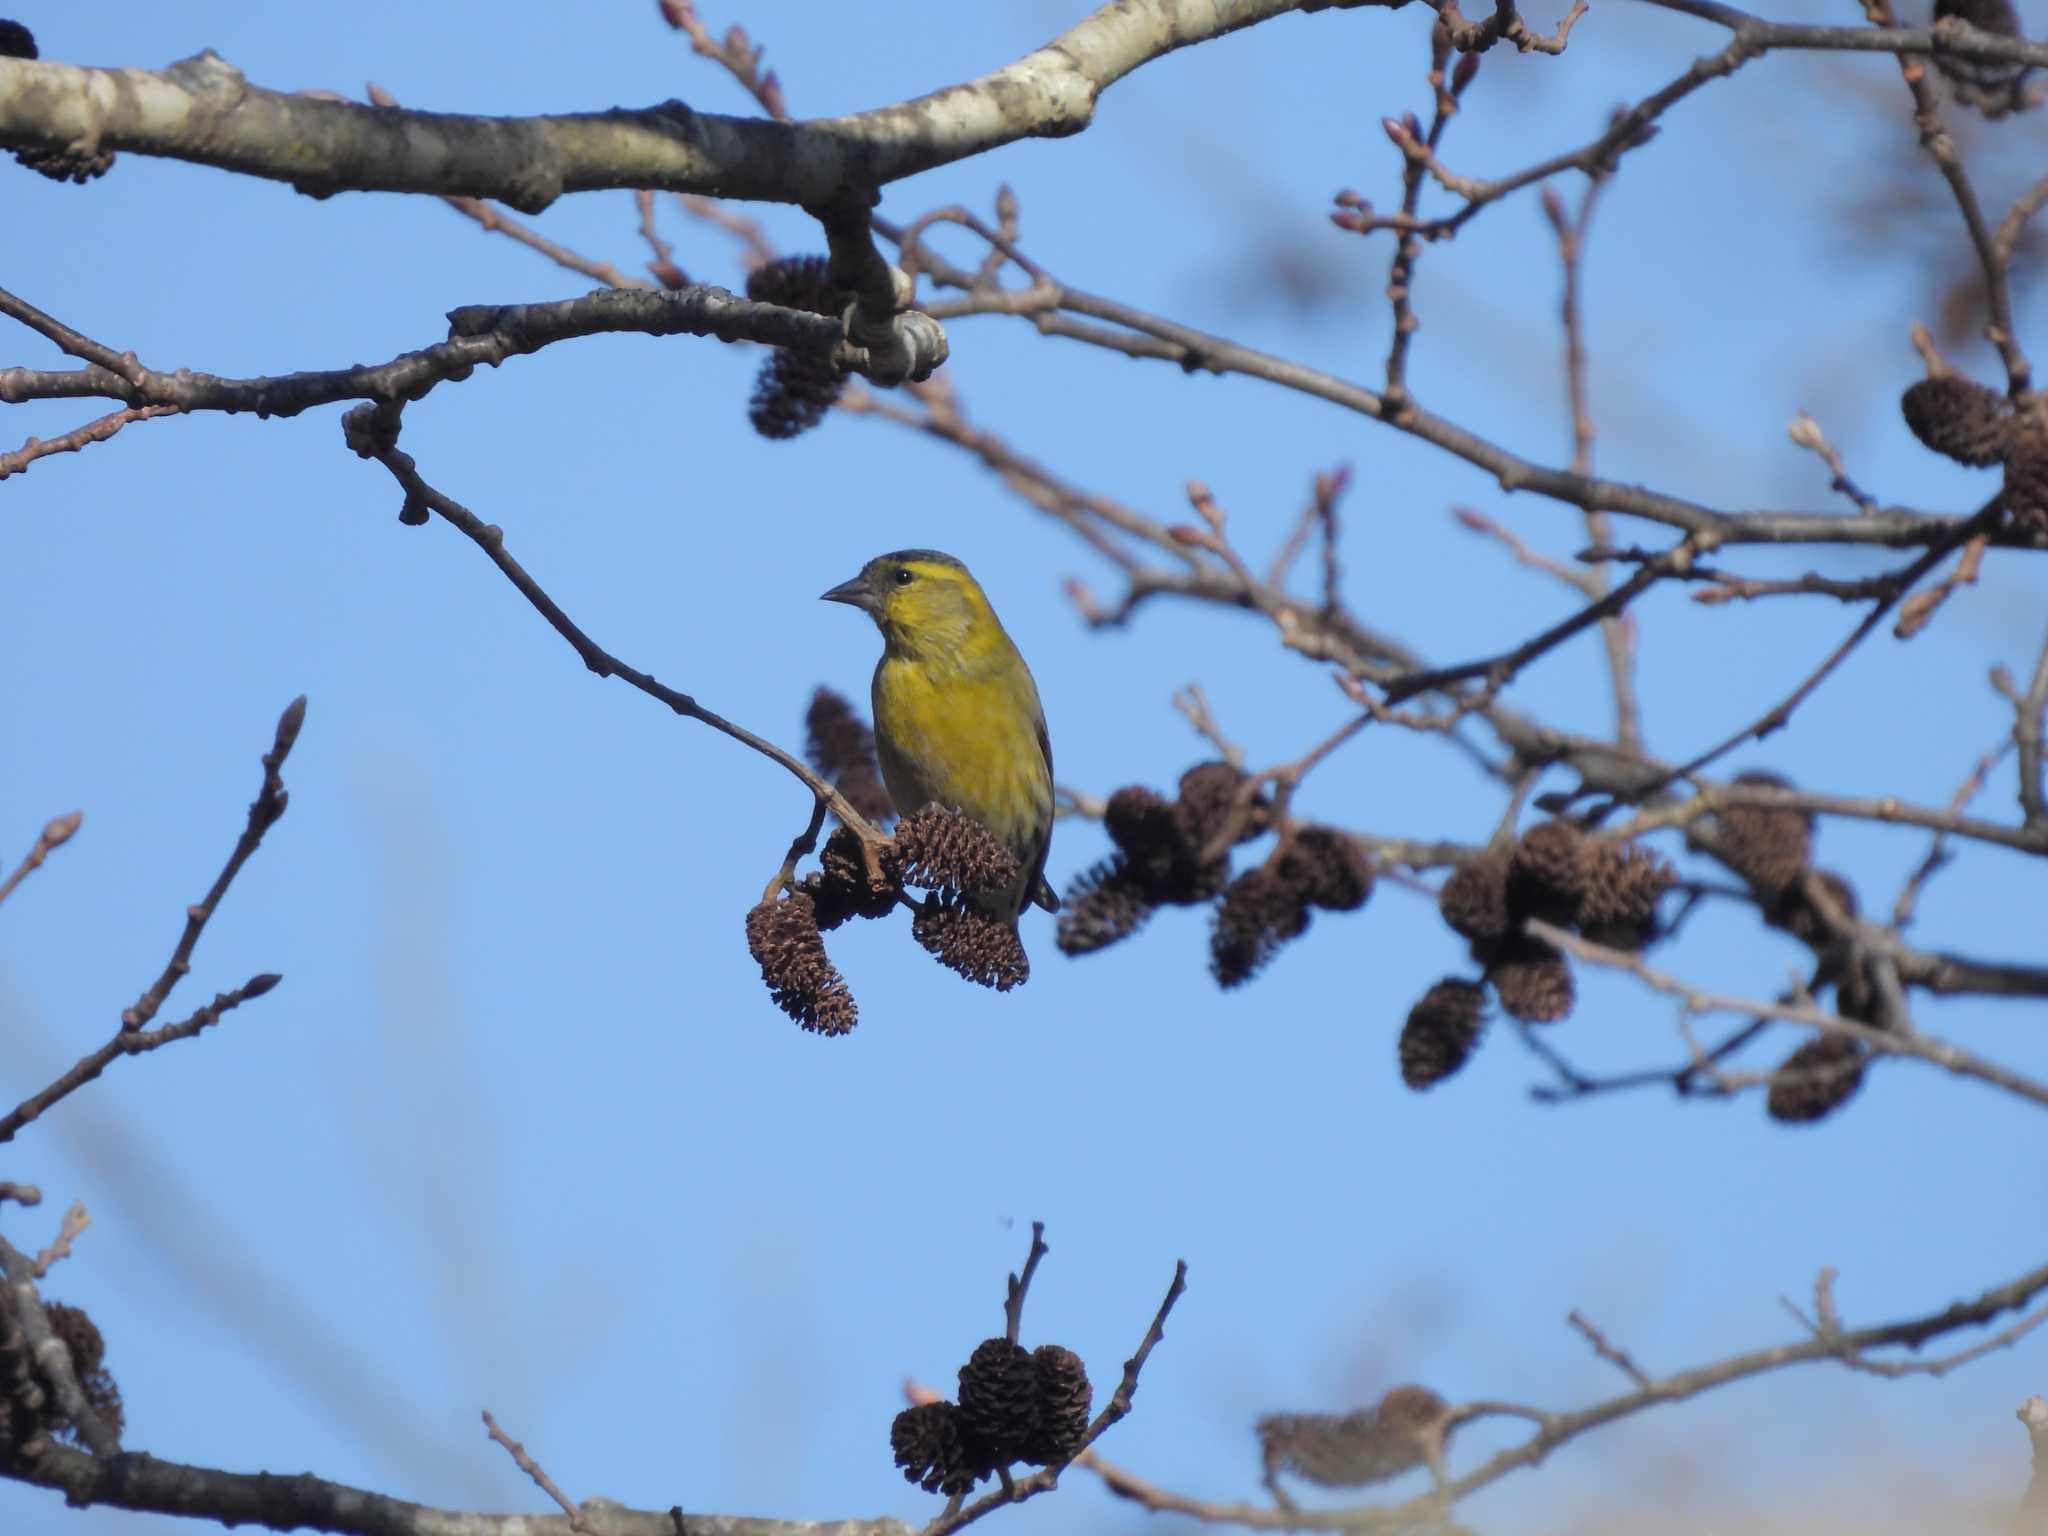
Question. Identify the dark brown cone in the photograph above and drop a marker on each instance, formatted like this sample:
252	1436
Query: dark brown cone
1140	823
1441	1031
842	748
1801	917
840	889
1258	913
1105	904
1997	17
1064	1400
1547	874
796	282
2026	485
81	1336
1532	981
943	850
1328	868
1474	900
968	941
999	1400
792	393
932	1450
1624	883
1208	792
783	938
1355	1449
1816	1080
1958	417
1769	847
1157	840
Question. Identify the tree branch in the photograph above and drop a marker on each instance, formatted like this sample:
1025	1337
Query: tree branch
478	335
203	110
372	431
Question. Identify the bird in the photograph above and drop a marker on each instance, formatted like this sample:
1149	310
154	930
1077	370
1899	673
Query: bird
957	717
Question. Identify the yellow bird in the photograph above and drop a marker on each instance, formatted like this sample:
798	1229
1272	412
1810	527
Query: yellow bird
957	718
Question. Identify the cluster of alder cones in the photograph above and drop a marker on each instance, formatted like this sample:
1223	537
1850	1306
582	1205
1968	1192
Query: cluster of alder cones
28	1399
1609	892
1406	1428
1016	1404
950	857
1771	848
1177	853
1555	871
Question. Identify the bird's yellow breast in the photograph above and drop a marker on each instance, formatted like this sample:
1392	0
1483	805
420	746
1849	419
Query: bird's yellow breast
966	738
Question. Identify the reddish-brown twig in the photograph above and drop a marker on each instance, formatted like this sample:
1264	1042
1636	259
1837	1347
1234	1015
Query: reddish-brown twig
56	832
533	1469
95	431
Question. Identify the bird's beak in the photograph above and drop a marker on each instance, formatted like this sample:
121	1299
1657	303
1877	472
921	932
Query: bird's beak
856	593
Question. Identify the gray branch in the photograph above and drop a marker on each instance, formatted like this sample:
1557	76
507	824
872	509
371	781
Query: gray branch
139	1482
203	110
478	334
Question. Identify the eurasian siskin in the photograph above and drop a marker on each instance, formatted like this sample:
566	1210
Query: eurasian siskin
957	717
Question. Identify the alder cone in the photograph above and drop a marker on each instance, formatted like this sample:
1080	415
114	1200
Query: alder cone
1816	1080
1105	903
1547	873
999	1400
1064	1400
1441	1031
1474	899
1958	417
932	1449
1532	981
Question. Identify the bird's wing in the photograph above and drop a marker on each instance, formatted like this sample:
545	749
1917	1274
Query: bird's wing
1040	891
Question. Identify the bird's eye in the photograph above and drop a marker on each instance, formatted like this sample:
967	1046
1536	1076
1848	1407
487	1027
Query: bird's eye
902	577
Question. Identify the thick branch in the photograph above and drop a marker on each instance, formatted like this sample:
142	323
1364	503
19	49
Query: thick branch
305	1502
203	110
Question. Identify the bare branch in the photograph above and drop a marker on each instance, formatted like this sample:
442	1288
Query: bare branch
1697	1000
481	335
373	433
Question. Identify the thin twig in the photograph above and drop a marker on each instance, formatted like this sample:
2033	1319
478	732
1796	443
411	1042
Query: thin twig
1937	850
95	431
374	435
1697	1000
264	812
1618	1358
1020	1284
534	1470
129	1041
75	1222
56	832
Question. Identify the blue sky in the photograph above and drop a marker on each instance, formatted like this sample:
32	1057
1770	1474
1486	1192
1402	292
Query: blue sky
520	1129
